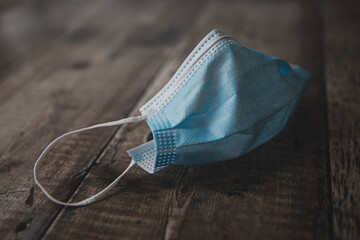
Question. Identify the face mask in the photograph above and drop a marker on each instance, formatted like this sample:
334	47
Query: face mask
223	101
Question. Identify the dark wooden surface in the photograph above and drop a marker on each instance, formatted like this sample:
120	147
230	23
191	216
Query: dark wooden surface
70	64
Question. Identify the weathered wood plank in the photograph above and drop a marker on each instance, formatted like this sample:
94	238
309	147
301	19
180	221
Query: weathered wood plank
342	61
276	192
29	30
85	79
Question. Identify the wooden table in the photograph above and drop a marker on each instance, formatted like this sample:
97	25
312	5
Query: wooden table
70	64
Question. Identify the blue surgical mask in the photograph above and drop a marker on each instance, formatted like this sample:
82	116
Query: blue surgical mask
224	100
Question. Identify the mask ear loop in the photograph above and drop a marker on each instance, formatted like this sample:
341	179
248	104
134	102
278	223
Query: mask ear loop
97	196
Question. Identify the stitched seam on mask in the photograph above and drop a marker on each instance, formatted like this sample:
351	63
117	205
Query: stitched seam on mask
145	155
166	148
215	50
218	47
167	121
155	123
182	69
157	101
178	74
148	161
161	123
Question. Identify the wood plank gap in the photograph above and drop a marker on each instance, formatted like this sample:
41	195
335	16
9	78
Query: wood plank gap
321	24
341	61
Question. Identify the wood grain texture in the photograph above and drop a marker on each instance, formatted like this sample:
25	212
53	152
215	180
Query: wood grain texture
342	61
30	30
278	191
91	76
71	64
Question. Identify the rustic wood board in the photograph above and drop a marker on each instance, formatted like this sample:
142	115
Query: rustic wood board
342	62
70	64
80	81
30	30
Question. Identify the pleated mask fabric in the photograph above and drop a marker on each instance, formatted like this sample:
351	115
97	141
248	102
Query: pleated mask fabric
225	100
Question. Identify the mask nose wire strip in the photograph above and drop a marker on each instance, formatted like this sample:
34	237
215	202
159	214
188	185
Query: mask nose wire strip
97	196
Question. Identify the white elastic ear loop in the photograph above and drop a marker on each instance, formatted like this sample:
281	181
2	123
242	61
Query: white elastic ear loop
97	196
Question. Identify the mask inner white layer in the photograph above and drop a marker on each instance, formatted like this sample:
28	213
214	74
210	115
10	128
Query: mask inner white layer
145	156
